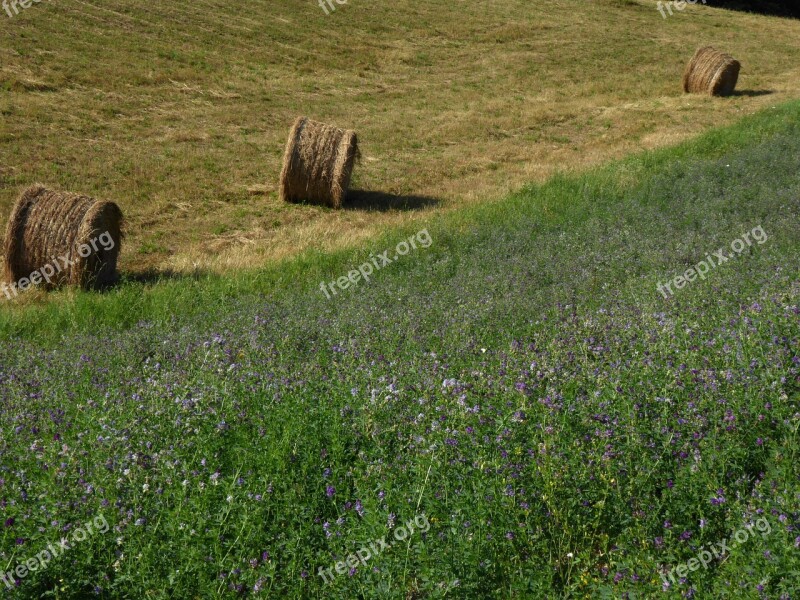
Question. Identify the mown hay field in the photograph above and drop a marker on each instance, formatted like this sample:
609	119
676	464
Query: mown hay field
179	111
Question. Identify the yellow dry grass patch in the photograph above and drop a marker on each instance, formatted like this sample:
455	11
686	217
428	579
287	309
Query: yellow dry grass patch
179	111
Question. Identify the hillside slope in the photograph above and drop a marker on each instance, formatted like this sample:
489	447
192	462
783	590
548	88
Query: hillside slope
517	387
180	110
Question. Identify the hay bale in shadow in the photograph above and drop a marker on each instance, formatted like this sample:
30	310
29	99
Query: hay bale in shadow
46	227
711	72
318	163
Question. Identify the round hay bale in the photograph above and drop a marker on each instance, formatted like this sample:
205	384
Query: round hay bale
711	72
50	231
318	163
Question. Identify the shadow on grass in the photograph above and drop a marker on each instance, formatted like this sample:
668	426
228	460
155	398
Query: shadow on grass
752	93
761	7
383	202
